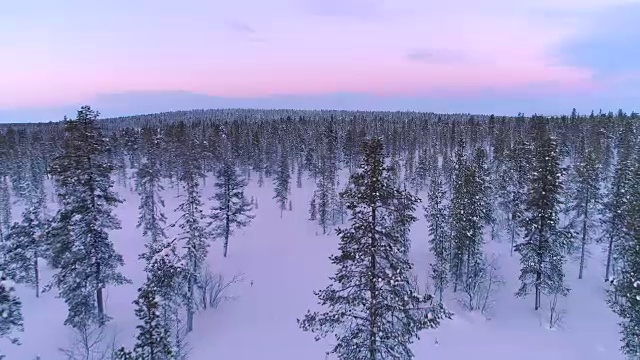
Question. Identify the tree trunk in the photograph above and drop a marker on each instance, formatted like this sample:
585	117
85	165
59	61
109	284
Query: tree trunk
537	286
609	259
226	243
372	290
190	311
584	234
512	230
227	219
100	302
37	275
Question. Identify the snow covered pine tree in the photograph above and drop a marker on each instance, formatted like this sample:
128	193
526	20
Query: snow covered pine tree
627	285
153	335
78	238
542	252
282	182
436	215
374	311
232	209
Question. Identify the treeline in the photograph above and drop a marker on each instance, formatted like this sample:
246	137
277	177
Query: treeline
551	187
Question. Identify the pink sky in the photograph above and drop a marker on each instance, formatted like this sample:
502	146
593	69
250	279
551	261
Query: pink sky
60	52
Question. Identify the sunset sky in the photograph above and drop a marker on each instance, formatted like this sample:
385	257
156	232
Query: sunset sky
494	56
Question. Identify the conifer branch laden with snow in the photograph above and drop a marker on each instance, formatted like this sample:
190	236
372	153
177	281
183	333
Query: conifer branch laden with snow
10	310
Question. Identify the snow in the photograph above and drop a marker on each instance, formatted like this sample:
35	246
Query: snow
7	284
284	261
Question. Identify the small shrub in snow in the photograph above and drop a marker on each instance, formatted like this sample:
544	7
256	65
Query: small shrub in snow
480	288
556	314
90	342
212	288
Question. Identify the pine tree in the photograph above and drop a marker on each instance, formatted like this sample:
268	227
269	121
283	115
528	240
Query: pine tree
422	172
373	309
624	298
325	192
436	215
10	310
313	209
160	256
299	176
585	199
193	236
5	208
148	183
282	182
513	188
78	238
166	277
340	208
328	206
24	246
617	201
484	186
232	209
466	217
542	250
24	243
153	339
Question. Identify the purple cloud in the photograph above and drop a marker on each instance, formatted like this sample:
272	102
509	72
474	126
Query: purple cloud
440	56
244	30
363	9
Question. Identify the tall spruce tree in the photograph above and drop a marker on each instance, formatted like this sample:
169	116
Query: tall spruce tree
282	182
423	169
325	193
5	208
374	311
148	183
466	214
154	337
466	218
486	190
436	215
23	248
162	263
313	209
624	297
232	209
584	200
513	188
617	201
542	252
193	236
79	243
24	243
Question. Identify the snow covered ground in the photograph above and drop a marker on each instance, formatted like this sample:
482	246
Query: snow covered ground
287	259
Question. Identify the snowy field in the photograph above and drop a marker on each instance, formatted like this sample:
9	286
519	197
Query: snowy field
283	260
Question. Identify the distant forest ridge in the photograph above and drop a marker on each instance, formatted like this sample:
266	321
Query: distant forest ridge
223	114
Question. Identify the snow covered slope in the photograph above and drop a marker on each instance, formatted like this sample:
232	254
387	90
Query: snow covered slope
283	261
